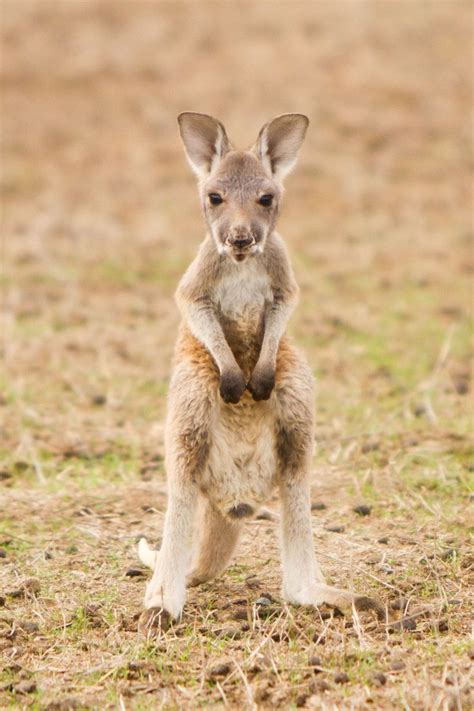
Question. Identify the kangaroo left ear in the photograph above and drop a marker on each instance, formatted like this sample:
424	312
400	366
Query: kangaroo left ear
205	141
279	141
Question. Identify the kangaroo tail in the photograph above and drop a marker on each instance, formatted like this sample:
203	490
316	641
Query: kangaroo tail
147	555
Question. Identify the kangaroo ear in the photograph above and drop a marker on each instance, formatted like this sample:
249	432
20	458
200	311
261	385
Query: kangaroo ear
279	141
205	141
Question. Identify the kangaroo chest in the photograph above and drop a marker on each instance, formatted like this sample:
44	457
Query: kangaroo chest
243	290
241	296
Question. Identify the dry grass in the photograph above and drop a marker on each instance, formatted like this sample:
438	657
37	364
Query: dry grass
99	219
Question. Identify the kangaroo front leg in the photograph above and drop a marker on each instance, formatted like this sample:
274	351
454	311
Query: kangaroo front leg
262	380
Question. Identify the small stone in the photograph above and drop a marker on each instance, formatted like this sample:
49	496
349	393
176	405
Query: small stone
252	582
301	700
29	627
461	383
383	540
400	604
335	528
241	614
386	568
397	665
137	665
219	670
378	679
326	614
362	509
318	506
370	446
134	573
245	626
440	626
341	678
99	400
13	668
318	638
230	633
261	692
263	601
67	703
323	685
406	624
25	687
316	663
31	585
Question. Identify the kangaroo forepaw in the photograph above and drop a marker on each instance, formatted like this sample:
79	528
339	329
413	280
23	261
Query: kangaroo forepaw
262	383
232	386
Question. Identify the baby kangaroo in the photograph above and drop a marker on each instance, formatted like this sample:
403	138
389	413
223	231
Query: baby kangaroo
240	407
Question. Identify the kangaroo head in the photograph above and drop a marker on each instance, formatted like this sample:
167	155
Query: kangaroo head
241	190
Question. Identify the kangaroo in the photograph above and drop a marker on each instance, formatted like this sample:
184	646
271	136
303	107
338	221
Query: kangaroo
240	419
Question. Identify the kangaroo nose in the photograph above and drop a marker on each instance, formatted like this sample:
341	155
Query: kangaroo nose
242	242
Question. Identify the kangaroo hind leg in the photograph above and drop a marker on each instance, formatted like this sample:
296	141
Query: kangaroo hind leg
218	538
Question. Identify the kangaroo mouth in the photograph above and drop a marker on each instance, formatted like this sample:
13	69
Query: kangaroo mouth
240	256
242	253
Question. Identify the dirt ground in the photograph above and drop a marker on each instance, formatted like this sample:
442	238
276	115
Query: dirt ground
99	219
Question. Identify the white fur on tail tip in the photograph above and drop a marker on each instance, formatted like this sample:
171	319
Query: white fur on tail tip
147	555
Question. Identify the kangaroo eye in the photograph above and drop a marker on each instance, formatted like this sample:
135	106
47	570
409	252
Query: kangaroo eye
215	199
266	200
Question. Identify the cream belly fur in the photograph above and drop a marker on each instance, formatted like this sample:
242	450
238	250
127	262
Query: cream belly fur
241	469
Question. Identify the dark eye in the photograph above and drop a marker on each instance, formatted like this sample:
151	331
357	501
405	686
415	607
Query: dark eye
266	200
215	199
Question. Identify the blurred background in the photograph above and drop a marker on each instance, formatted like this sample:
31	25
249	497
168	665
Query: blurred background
101	216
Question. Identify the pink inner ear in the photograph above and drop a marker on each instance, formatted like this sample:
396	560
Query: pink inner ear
204	139
279	141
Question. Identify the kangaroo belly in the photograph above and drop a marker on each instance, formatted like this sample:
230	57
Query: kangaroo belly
241	468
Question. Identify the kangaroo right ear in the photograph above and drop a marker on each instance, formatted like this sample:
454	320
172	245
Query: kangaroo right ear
205	141
279	141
